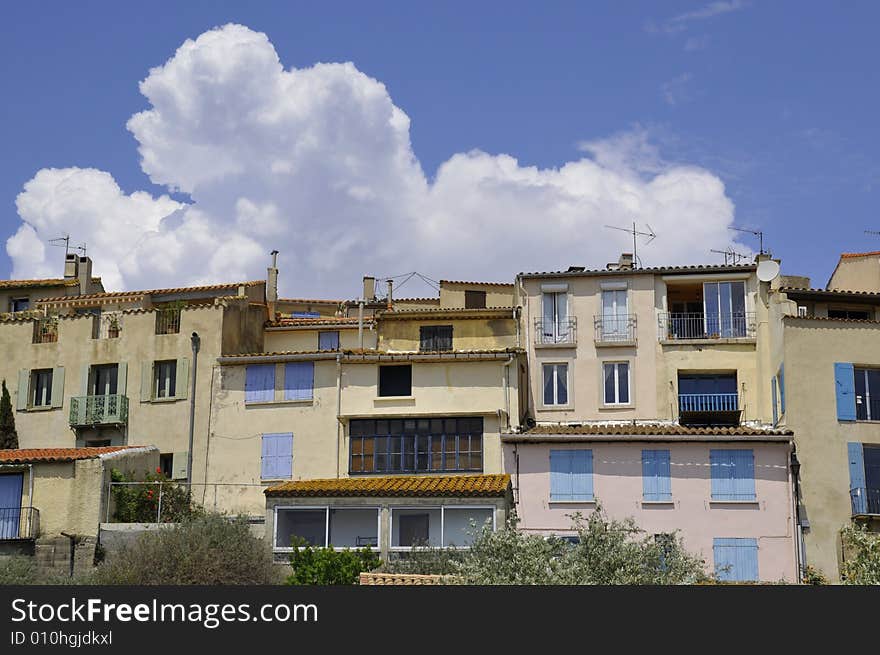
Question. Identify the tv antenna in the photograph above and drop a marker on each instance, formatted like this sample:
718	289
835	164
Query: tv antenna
730	255
66	241
757	233
635	232
873	232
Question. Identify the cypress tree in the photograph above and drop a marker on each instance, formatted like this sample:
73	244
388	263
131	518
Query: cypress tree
8	435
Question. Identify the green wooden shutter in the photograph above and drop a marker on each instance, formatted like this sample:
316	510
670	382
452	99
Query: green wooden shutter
178	465
84	380
122	375
58	386
146	382
24	379
182	383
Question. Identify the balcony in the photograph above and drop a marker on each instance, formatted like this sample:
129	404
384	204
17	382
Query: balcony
708	408
616	330
865	501
90	411
556	333
686	326
17	523
168	321
46	330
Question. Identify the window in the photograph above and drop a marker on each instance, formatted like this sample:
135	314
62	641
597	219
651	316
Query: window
166	462
736	560
277	457
571	475
168	320
615	315
851	314
656	476
395	380
105	380
415	445
340	527
259	383
435	338
867	388
299	380
733	474
555	326
447	527
19	304
41	388
725	307
616	377
328	340
864	478
474	299
165	379
555	384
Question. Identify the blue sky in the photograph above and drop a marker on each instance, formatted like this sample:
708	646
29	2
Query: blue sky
777	100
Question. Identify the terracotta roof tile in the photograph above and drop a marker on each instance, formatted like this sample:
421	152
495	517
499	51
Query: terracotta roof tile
154	292
47	282
829	292
323	320
653	429
309	301
404	485
482	284
851	255
26	455
655	270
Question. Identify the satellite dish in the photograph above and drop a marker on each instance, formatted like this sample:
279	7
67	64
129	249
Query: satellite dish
768	270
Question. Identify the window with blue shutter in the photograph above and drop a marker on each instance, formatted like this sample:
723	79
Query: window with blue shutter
277	461
328	340
299	380
844	382
774	401
259	385
857	479
656	475
571	475
736	559
782	388
733	474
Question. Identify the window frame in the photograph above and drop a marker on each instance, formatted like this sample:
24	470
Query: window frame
864	400
592	476
171	380
382	367
35	375
257	401
13	302
480	293
326	508
429	334
717	496
630	402
329	332
263	436
428	508
753	547
556	404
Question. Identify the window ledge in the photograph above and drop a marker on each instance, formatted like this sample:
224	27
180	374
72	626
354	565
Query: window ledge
720	340
591	501
380	399
622	406
658	502
561	344
628	343
274	480
556	408
271	403
164	400
716	501
40	408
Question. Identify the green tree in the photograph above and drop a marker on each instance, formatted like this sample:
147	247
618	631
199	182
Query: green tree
8	435
327	566
862	549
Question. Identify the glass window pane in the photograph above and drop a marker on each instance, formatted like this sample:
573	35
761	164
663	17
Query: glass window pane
623	382
562	384
460	525
548	384
310	524
415	527
354	528
609	384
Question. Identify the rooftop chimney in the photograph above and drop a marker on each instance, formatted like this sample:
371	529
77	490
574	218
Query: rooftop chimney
272	279
625	263
389	301
84	268
369	288
70	266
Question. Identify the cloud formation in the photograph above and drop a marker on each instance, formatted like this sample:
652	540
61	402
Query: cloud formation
317	163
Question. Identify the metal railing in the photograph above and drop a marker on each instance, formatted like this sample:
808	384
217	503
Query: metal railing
98	410
45	330
690	325
865	501
169	501
19	523
548	332
168	321
708	402
615	328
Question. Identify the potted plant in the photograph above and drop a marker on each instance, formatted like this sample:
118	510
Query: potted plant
113	327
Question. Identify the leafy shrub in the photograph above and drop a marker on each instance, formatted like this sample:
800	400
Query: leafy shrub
210	549
326	566
814	576
23	570
424	561
862	550
139	503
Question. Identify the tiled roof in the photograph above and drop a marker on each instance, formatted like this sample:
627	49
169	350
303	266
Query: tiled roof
153	292
869	295
358	354
455	311
323	320
309	301
405	485
28	455
424	300
651	429
834	320
656	270
482	284
852	255
48	282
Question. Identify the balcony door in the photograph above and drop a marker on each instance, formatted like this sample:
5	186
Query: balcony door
105	380
11	485
615	315
555	318
725	309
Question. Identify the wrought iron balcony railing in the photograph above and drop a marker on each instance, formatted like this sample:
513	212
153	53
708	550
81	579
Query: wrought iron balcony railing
19	523
615	329
553	332
708	402
98	410
689	325
168	321
46	330
865	501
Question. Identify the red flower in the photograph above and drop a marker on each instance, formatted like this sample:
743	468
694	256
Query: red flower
158	469
149	493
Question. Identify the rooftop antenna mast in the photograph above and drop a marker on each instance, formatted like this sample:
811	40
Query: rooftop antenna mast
635	232
66	241
873	232
730	255
757	233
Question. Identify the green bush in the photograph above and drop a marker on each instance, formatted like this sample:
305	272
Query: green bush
139	503
862	550
326	566
424	561
210	549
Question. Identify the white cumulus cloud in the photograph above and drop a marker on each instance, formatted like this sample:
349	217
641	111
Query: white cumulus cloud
317	163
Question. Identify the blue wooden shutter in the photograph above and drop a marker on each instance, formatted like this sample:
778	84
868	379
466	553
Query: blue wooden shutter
773	400
277	459
581	475
782	388
259	383
857	484
722	474
299	378
736	559
743	474
560	474
844	381
656	475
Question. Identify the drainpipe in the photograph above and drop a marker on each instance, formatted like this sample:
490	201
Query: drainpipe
30	497
338	409
196	342
516	315
505	381
794	472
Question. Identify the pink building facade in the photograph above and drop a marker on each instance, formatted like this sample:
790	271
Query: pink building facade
726	491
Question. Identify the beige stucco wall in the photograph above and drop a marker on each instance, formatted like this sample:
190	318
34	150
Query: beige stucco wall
618	486
452	294
280	340
811	350
473	334
857	274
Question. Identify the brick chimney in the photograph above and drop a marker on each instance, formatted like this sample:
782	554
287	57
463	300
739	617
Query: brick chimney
84	270
625	263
